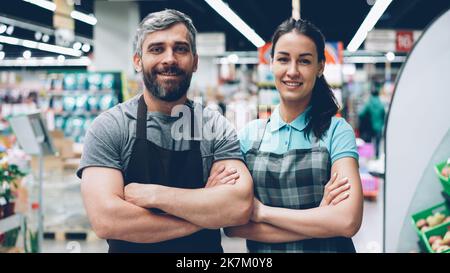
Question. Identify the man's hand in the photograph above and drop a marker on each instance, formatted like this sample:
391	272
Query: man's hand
140	195
222	176
335	191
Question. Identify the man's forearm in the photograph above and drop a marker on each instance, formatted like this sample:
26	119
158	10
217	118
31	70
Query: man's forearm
215	207
263	232
127	222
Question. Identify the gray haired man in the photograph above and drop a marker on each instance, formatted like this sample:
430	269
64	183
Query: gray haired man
145	191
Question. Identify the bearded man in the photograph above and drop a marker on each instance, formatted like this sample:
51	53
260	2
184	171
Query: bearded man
144	188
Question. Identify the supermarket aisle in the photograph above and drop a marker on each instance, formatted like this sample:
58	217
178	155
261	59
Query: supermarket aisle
369	239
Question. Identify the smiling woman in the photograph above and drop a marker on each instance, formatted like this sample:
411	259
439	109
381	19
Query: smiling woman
299	206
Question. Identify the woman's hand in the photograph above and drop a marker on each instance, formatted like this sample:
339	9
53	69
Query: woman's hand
335	191
258	209
222	176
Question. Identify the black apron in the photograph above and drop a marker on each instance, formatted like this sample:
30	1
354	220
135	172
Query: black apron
150	163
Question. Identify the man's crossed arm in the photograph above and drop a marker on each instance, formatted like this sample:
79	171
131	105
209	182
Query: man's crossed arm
118	212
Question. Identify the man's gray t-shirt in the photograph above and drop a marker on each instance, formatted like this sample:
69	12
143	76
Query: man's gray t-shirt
110	139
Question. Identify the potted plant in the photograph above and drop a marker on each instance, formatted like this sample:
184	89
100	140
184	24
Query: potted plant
9	178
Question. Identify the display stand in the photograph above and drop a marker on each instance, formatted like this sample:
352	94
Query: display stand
34	139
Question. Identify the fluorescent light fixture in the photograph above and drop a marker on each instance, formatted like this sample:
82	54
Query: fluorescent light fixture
43	4
59	49
372	59
9	40
371	19
88	19
41	46
46	61
229	15
30	44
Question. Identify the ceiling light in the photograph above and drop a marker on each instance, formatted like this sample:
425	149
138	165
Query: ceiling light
61	58
88	19
10	30
372	17
76	45
229	15
45	38
43	4
2	55
46	61
233	58
390	56
41	46
3	28
26	54
59	49
38	35
86	48
1	47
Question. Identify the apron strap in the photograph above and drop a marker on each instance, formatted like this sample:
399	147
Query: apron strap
141	124
194	144
260	135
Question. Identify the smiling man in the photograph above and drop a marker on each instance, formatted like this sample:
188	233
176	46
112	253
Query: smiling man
145	190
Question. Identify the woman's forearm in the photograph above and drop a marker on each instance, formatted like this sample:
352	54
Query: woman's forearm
263	232
320	222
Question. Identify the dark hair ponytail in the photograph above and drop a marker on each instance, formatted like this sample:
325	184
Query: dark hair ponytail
323	108
323	103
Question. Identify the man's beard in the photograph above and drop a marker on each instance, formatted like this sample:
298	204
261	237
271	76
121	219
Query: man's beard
168	90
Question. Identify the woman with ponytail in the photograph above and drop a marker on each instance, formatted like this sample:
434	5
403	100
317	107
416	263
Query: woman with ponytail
303	159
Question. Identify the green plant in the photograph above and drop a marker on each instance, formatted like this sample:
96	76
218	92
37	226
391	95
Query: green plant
9	175
30	241
10	237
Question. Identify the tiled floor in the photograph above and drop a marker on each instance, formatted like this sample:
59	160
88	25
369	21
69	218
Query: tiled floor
64	208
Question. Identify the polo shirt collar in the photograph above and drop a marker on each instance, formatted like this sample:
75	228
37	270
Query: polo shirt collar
276	122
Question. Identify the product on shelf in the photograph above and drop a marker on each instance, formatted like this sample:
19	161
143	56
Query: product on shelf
81	103
69	103
443	171
70	82
95	81
446	171
93	103
438	239
431	217
108	81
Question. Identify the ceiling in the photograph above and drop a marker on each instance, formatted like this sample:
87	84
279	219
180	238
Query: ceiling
338	20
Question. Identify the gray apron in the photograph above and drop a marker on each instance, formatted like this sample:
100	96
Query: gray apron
294	180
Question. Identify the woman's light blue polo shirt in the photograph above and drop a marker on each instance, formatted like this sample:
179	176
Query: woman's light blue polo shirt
281	137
